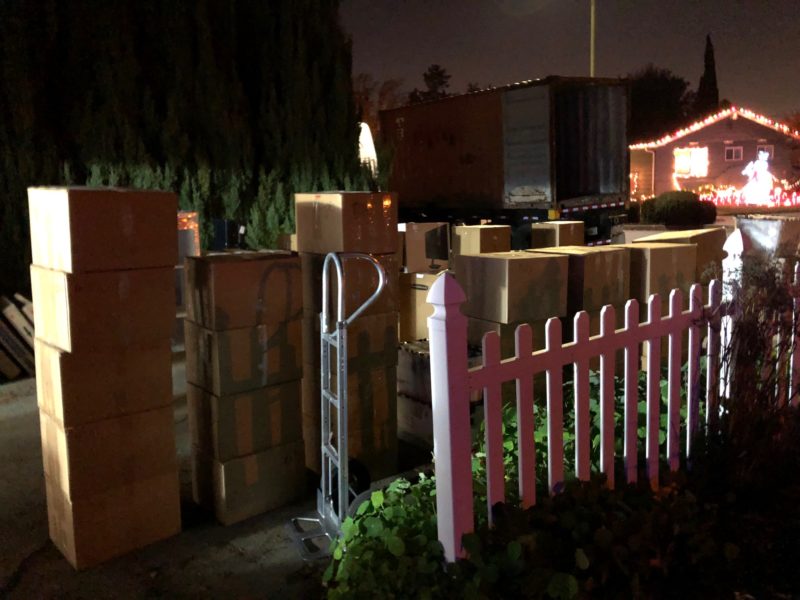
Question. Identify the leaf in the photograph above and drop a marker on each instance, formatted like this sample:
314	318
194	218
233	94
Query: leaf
348	528
337	554
581	560
374	526
603	537
328	575
563	586
363	508
377	498
514	550
395	545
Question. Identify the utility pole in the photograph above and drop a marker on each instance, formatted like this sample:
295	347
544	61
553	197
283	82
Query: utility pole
591	37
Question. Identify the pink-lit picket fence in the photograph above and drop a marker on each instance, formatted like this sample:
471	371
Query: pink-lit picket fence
452	382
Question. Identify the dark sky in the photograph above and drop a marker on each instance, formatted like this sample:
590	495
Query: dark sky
756	42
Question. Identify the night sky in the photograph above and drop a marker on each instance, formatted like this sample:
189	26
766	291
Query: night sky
756	43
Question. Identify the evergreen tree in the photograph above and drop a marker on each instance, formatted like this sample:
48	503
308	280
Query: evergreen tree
707	97
233	105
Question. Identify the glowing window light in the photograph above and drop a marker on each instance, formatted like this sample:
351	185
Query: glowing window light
691	162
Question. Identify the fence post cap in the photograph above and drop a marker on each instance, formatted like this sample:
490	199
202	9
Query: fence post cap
446	291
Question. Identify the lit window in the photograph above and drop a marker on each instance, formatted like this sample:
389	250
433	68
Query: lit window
733	153
691	162
769	149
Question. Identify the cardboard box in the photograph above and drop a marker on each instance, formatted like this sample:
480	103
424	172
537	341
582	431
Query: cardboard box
76	389
234	426
17	321
374	448
414	422
507	287
557	233
361	281
8	367
91	312
658	268
77	229
238	360
16	348
709	249
414	370
481	239
414	307
245	289
371	341
346	222
477	328
598	275
371	398
244	487
93	458
427	246
93	529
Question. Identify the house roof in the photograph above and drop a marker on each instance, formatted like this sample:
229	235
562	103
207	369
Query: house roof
733	111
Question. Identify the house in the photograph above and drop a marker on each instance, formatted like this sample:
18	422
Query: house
732	157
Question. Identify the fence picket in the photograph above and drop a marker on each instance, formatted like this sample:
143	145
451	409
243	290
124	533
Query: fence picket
452	432
794	363
632	355
712	366
493	423
653	392
525	421
607	399
674	384
581	394
555	410
693	375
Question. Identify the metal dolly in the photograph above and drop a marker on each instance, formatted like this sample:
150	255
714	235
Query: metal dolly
335	494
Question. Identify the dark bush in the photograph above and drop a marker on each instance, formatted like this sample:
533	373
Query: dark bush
678	209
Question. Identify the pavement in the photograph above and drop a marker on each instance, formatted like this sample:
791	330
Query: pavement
252	559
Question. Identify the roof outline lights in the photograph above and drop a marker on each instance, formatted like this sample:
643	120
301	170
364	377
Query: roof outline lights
734	112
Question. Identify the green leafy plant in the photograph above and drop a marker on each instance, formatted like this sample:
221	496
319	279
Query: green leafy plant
678	209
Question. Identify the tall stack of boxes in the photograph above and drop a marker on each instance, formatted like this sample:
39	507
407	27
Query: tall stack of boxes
243	370
365	223
103	288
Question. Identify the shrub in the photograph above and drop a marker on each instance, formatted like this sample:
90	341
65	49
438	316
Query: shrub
678	209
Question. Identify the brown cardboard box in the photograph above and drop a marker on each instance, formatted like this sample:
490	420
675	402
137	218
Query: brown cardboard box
375	448
598	275
233	426
96	457
422	238
480	239
414	370
371	341
658	268
76	389
361	281
507	287
477	328
557	233
78	229
93	529
414	307
414	422
91	312
238	360
771	236
244	487
709	249
371	397
346	222
228	291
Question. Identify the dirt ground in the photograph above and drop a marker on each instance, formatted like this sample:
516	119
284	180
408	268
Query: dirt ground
253	559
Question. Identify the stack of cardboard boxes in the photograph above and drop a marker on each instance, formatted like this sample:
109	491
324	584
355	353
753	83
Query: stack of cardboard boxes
243	368
365	223
103	288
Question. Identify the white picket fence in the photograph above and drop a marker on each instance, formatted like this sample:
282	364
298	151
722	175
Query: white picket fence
452	382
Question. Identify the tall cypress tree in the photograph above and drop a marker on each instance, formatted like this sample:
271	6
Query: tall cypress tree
707	99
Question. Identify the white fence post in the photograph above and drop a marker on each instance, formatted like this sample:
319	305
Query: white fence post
447	331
